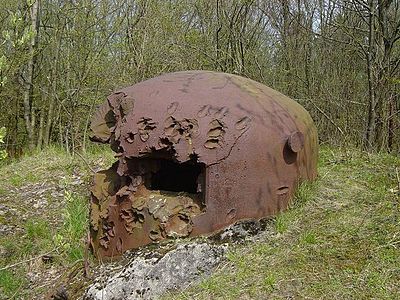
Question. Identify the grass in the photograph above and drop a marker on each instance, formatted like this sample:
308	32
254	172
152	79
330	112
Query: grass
339	240
10	283
49	164
37	229
75	226
59	232
65	244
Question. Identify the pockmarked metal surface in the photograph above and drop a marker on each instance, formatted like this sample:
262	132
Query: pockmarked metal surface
197	151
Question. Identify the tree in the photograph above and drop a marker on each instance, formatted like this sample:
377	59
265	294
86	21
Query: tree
3	153
338	58
28	74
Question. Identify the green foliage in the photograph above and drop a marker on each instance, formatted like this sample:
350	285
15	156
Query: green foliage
110	44
71	237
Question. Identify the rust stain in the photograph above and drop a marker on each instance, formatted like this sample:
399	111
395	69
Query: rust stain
196	151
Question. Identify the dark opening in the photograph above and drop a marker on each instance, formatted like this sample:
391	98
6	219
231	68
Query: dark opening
288	155
178	177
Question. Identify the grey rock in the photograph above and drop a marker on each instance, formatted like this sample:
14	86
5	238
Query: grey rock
149	274
149	277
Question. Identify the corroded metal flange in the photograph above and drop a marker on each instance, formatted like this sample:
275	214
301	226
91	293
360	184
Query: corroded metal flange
196	151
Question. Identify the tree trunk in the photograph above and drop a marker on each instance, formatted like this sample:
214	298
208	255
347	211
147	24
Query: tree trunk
28	80
49	122
371	122
52	94
386	93
40	132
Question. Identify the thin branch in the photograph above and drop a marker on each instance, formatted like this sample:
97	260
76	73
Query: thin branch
326	116
27	260
85	161
398	180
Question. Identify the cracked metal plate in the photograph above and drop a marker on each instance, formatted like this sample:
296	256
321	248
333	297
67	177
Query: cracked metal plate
247	145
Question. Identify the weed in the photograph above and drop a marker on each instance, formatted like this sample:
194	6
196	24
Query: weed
37	229
75	225
75	216
269	282
17	180
281	223
304	193
308	238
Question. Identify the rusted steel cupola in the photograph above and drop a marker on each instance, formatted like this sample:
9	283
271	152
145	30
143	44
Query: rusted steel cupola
197	151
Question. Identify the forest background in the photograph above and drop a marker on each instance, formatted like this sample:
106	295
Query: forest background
59	59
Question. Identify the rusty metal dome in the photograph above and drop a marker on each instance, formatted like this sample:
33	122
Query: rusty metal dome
197	151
